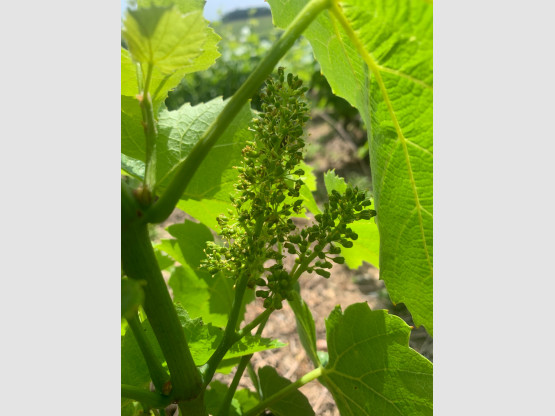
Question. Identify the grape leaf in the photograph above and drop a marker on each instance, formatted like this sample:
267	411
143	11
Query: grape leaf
242	401
334	182
202	339
214	398
207	195
161	81
305	326
294	404
366	248
132	296
163	37
164	262
387	74
132	132
371	369
200	294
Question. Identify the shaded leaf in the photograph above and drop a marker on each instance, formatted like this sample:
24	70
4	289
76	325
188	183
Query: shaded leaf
203	339
305	326
242	401
294	404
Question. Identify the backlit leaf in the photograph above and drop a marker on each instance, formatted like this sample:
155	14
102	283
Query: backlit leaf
384	68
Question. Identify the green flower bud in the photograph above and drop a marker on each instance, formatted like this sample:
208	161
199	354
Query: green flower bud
323	273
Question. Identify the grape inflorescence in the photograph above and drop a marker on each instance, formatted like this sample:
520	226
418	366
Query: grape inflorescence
267	195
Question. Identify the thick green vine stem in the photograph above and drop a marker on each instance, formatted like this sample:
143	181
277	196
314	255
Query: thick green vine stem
139	263
168	200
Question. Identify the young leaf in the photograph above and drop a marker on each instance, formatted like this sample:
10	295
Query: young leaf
334	182
161	83
372	370
294	404
305	326
382	64
164	37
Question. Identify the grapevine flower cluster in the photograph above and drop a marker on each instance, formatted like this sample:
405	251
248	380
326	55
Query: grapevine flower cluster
260	227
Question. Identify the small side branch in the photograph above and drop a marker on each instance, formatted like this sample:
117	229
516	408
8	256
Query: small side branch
159	376
148	398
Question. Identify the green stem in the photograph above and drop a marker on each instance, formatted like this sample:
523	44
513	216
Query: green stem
308	377
151	134
168	200
245	360
263	317
254	378
303	266
230	337
139	263
159	376
149	398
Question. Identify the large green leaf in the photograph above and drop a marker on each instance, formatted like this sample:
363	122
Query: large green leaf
372	370
294	404
384	68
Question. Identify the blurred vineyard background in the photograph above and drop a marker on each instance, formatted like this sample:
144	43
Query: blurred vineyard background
337	140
